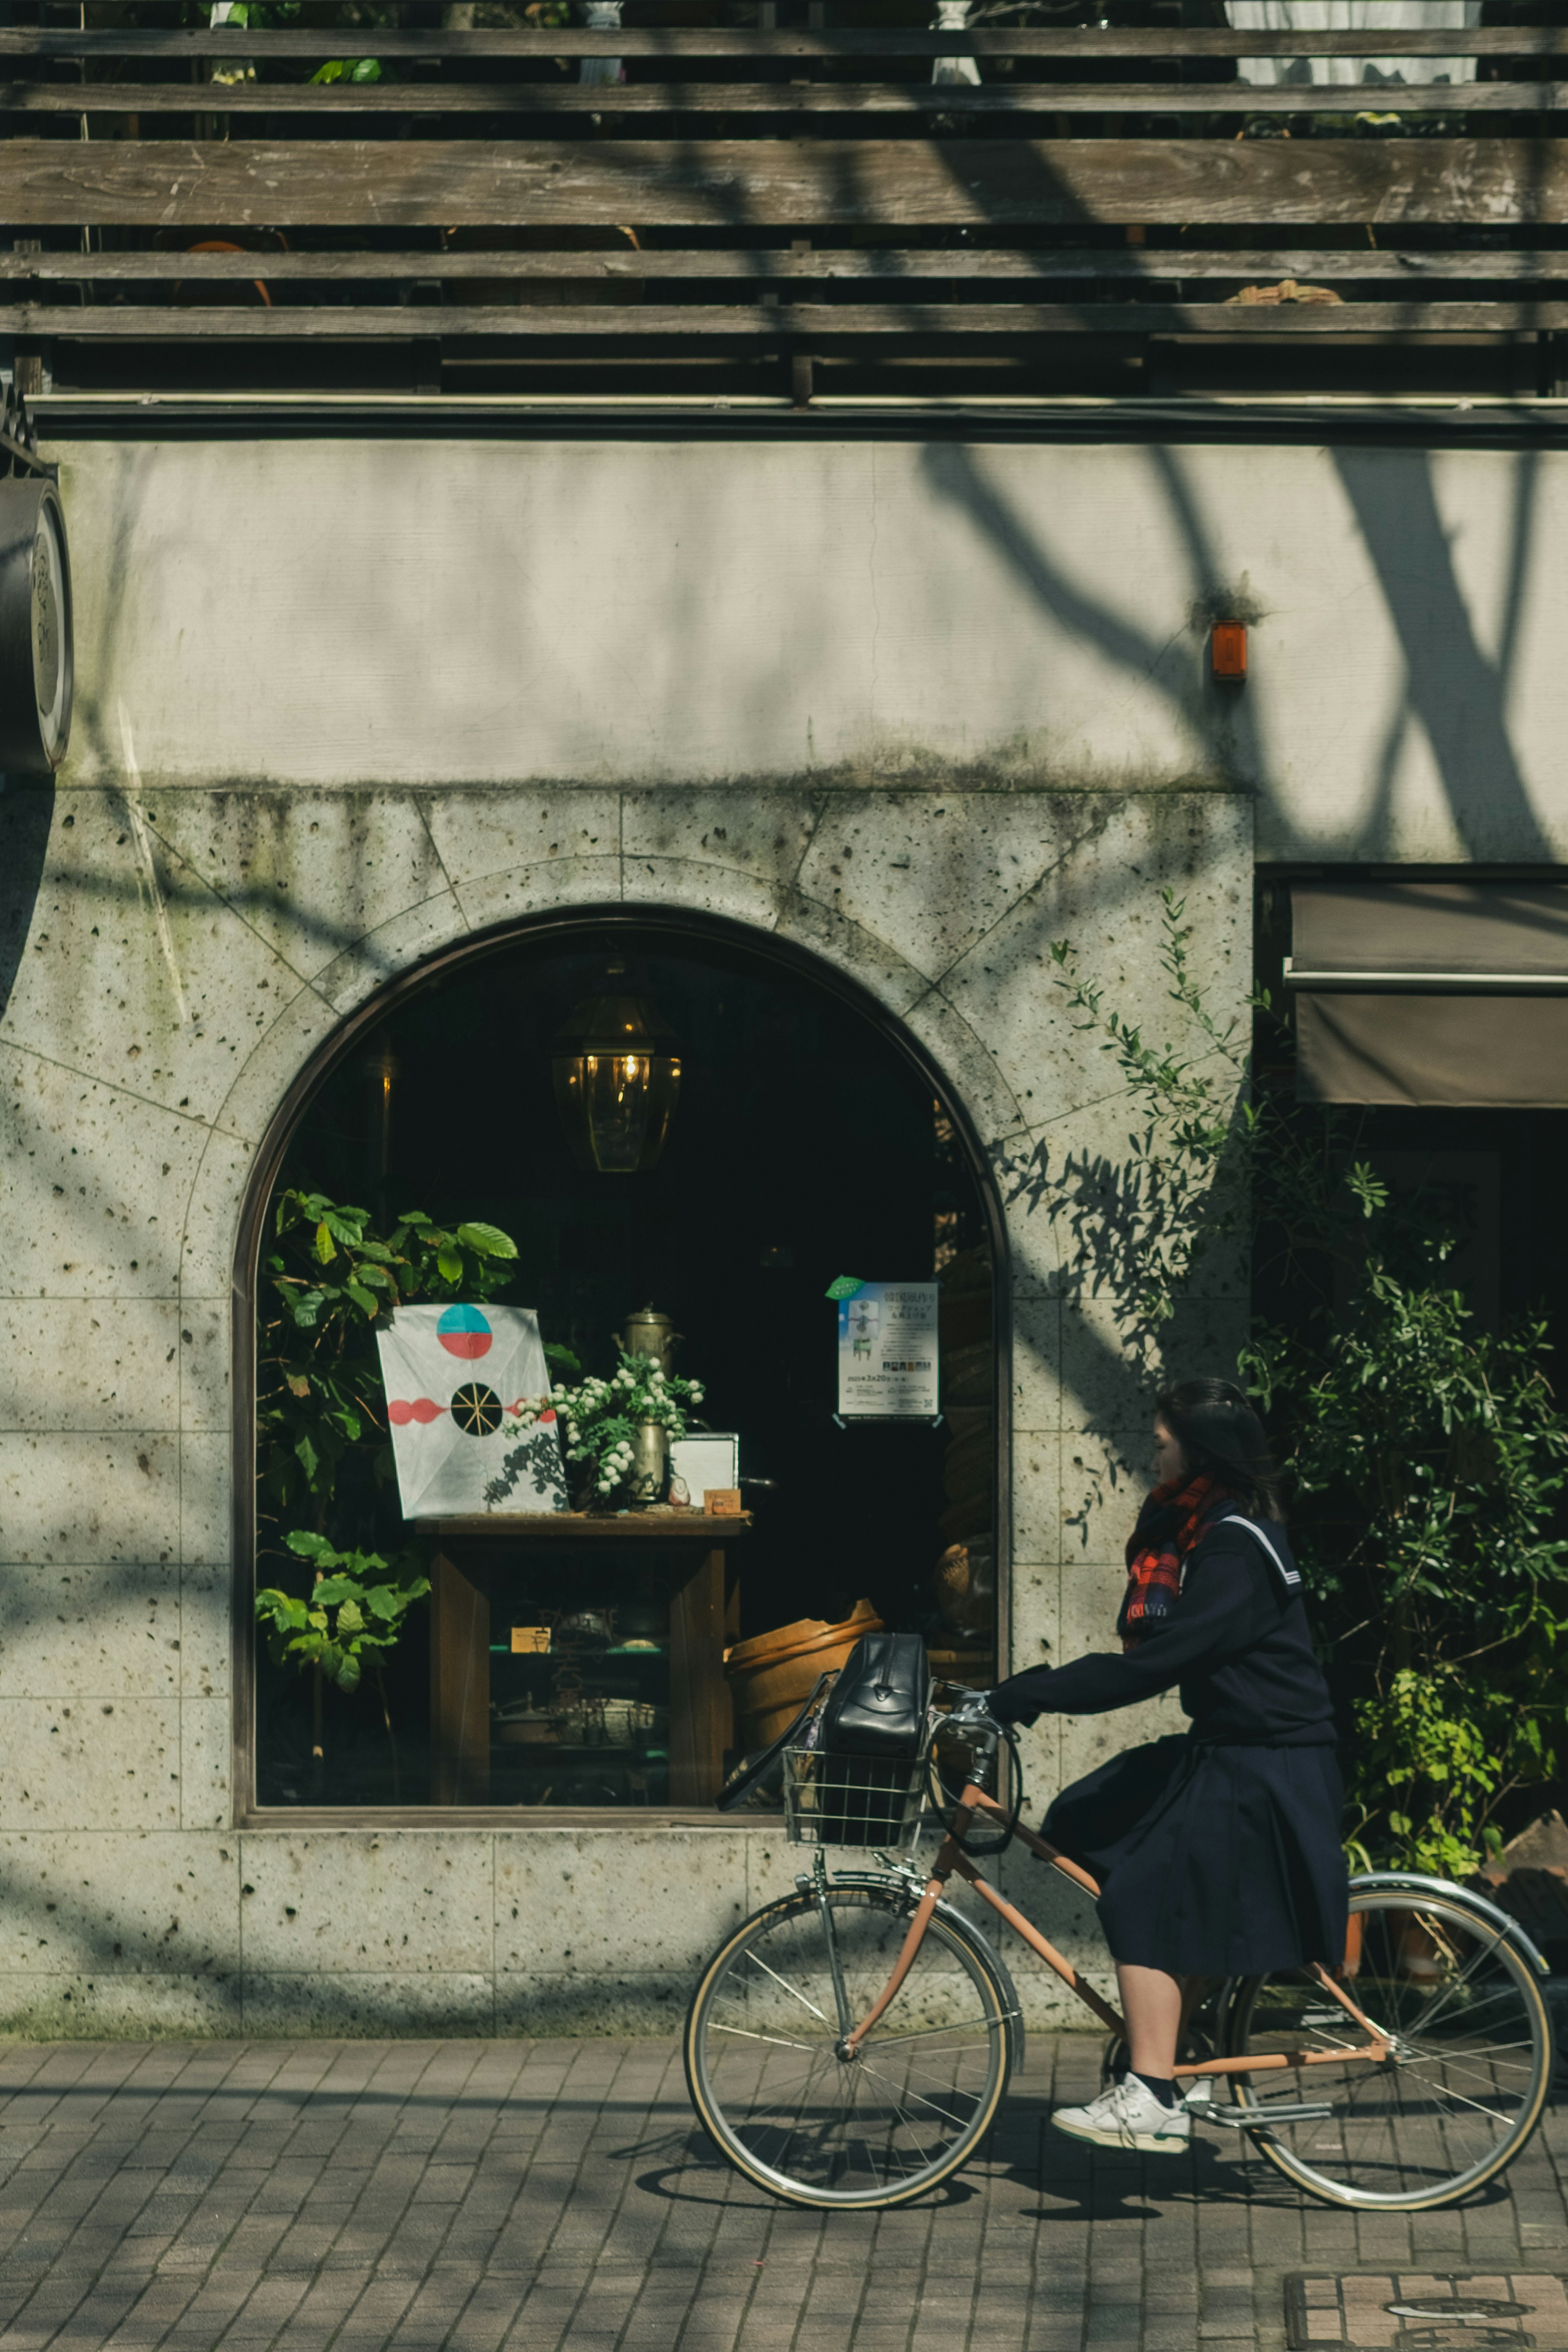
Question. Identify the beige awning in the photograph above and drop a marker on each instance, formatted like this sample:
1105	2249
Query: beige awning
1423	992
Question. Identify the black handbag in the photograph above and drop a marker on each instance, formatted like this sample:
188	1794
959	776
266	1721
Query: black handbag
878	1706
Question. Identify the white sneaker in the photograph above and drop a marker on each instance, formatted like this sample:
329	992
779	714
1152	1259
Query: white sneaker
1128	2116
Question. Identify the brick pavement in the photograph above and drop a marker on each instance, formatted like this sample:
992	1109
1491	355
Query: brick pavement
466	2195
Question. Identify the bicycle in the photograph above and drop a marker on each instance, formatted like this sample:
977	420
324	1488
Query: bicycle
848	2046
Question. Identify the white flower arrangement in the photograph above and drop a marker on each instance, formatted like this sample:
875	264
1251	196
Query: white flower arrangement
599	1417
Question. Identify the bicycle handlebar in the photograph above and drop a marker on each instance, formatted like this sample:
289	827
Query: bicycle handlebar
971	1718
979	1729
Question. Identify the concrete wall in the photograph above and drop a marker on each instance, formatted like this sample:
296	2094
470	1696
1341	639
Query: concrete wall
186	952
921	710
936	615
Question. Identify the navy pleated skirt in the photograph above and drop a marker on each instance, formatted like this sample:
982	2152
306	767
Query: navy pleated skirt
1212	1861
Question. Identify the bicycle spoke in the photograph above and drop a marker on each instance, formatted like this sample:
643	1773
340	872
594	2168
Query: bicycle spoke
904	2120
885	2041
1454	1985
743	2033
787	1987
1446	2058
956	2121
1444	2092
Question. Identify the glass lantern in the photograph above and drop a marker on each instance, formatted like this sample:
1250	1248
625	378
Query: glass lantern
617	1075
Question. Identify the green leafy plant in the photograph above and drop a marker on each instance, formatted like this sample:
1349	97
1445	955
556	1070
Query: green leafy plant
354	1612
1427	1456
1429	1461
348	70
329	1279
354	1609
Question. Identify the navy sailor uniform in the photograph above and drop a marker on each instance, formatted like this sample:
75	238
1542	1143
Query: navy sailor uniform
1218	1854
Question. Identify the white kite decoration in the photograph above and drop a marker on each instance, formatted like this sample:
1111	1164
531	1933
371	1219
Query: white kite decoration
451	1374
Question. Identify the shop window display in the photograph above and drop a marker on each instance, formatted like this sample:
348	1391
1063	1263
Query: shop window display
577	1659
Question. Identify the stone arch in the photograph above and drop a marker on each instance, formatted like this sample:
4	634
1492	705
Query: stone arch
329	1016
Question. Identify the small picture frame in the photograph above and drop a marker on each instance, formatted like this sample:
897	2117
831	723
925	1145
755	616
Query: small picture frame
704	1459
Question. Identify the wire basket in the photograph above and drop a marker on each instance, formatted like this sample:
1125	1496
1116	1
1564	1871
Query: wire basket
851	1800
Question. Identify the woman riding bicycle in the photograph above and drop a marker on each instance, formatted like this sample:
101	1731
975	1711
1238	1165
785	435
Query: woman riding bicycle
1218	1854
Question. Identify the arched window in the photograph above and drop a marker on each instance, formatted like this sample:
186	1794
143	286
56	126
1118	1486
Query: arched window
581	1663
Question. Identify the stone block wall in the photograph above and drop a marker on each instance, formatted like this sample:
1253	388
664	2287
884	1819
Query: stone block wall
175	958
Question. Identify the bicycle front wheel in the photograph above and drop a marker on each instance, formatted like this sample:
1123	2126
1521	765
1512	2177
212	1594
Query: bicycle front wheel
882	2127
1471	2061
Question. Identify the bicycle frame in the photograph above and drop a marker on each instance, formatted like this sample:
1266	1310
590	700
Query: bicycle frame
951	1857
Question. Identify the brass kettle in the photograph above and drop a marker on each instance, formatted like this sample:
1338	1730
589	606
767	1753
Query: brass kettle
649	1333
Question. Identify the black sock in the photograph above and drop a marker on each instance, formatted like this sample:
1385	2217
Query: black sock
1162	2087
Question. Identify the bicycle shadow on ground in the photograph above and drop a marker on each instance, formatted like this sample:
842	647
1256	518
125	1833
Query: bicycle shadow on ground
1080	2183
694	2173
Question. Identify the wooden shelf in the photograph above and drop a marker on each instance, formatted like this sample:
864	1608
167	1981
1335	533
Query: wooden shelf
586	1527
469	1565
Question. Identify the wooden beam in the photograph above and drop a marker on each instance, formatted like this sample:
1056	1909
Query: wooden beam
1093	41
434	184
460	1685
799	322
888	264
701	1714
607	101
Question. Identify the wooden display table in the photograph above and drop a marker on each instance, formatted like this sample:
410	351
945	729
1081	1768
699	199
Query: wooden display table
464	1574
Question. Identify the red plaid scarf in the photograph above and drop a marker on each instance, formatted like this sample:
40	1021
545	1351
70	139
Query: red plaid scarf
1169	1524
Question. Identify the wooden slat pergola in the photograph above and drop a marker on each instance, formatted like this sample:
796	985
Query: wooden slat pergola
795	193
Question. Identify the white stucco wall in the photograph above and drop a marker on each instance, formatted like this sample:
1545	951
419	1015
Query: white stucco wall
939	615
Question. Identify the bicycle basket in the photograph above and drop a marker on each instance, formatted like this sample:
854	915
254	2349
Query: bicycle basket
850	1800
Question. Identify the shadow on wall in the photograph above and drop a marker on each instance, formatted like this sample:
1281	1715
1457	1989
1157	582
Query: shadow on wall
1455	693
1453	690
27	815
1216	731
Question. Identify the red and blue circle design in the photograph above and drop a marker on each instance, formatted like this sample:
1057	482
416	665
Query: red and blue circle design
463	1331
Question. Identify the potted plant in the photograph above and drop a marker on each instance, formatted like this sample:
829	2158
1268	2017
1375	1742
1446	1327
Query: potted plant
617	1431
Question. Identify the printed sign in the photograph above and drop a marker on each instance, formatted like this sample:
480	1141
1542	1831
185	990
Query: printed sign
888	1352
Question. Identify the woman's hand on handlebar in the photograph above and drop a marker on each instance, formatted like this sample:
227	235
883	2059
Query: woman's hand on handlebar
970	1714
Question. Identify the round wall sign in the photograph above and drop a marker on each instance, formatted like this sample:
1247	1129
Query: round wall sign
35	651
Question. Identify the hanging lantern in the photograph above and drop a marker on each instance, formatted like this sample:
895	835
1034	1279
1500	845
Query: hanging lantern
617	1074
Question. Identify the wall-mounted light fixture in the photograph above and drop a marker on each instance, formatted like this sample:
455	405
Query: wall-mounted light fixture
35	657
617	1076
1227	652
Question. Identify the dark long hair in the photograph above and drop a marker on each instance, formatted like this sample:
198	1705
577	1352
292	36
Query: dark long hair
1218	1433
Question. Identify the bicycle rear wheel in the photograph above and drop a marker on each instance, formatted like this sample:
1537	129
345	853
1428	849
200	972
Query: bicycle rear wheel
878	2129
1471	2062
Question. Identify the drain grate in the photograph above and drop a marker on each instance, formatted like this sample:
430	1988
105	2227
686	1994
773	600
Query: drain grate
1427	2311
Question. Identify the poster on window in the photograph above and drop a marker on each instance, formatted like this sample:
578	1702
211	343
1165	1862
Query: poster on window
452	1375
887	1351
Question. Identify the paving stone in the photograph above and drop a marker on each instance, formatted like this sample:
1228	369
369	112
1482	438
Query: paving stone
468	2197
